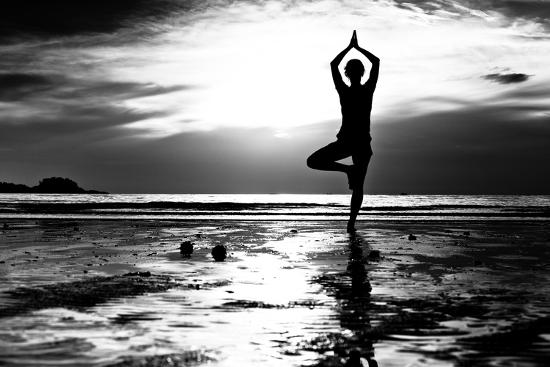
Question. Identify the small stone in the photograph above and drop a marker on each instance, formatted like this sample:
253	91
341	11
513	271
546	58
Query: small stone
186	248
219	253
374	255
293	231
412	237
466	233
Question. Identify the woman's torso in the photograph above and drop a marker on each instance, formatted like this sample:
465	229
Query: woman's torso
356	106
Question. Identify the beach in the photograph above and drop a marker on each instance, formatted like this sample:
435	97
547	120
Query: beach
290	293
274	183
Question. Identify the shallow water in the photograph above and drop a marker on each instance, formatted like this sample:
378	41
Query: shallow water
226	207
292	299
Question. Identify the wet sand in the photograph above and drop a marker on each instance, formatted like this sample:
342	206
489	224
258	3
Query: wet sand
119	293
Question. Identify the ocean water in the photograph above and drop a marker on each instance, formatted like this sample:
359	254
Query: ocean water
273	207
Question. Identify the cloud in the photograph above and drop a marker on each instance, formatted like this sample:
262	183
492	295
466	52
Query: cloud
533	92
15	85
55	107
428	6
477	149
24	19
89	122
22	86
16	80
507	78
67	17
537	11
49	18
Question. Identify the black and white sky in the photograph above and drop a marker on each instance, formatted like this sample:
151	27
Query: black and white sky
220	96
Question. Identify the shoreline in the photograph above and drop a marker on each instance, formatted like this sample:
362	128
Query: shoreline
271	218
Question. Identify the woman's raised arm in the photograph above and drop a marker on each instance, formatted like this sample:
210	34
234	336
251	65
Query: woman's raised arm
336	76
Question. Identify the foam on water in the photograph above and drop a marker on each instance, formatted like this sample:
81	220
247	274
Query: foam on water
273	207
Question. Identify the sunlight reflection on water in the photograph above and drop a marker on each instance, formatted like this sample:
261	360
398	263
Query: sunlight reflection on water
187	319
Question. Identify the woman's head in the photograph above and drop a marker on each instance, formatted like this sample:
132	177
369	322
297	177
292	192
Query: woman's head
354	70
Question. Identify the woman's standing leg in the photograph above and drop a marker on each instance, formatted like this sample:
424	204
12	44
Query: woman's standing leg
360	166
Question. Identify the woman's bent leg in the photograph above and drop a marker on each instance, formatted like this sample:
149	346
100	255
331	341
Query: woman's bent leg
325	158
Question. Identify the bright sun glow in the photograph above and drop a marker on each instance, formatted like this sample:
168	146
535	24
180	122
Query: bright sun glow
267	66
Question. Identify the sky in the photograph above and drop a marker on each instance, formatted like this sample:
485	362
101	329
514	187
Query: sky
219	96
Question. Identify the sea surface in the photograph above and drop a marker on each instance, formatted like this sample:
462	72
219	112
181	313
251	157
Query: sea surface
273	207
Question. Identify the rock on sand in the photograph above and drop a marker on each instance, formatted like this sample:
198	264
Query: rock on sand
219	253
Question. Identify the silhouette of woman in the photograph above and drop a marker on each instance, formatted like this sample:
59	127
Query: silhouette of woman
354	138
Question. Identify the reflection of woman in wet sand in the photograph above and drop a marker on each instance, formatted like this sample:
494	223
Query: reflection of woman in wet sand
354	138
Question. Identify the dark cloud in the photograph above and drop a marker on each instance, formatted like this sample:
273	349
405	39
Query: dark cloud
534	10
69	17
15	85
25	86
55	107
95	122
507	78
537	10
477	150
16	80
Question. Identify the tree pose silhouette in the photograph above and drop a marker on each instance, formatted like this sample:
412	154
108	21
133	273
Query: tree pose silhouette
354	138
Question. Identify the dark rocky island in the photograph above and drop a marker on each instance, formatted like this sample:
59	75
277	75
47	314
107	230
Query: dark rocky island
51	185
